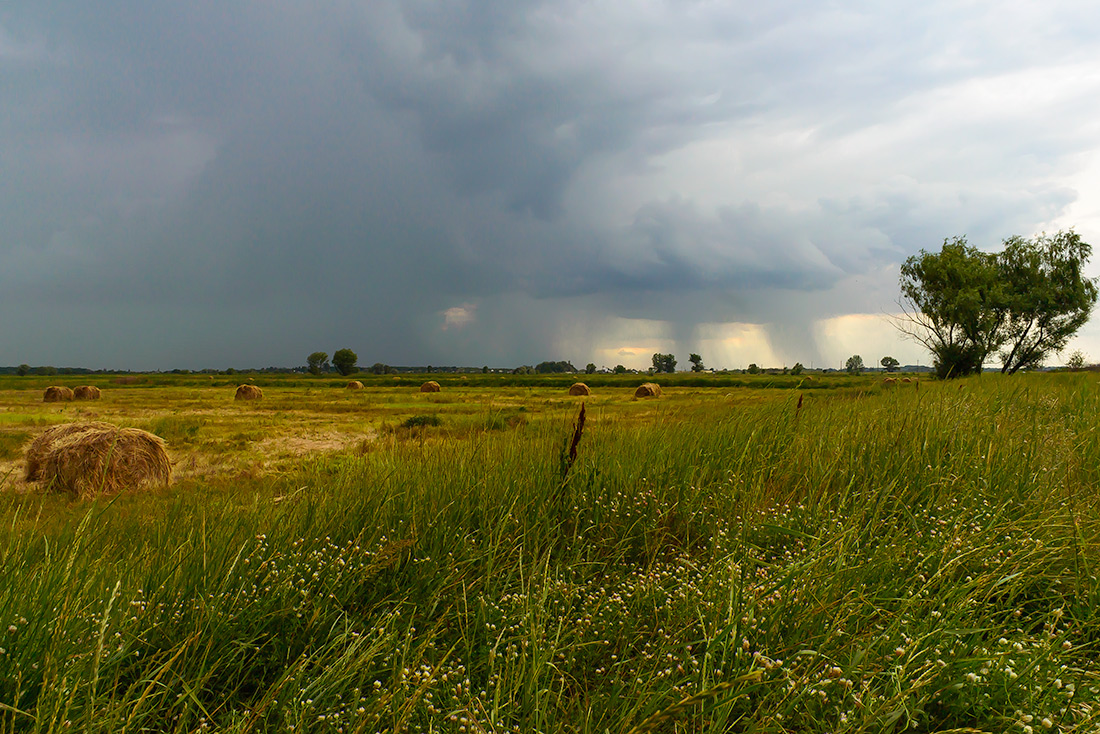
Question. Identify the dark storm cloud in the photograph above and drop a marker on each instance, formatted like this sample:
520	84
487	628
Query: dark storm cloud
254	181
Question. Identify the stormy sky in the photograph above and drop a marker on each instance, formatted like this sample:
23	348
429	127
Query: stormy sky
502	182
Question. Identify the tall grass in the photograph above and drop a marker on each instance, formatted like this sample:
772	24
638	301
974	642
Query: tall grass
868	562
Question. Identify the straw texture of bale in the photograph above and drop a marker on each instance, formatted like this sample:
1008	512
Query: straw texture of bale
579	388
55	394
86	392
430	386
648	390
248	392
104	459
355	385
36	449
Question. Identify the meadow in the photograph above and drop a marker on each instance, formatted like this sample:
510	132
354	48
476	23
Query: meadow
740	555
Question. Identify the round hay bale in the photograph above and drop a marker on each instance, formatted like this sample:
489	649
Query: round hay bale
648	390
579	388
86	392
430	386
55	394
355	385
36	450
105	459
248	392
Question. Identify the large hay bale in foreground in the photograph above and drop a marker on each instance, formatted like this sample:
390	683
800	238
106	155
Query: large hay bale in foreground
579	388
430	386
86	392
248	392
355	385
37	449
55	394
648	390
102	459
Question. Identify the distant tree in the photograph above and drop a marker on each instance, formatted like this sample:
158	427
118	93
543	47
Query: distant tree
485	370
854	365
590	368
889	364
23	370
45	370
797	369
664	363
1076	361
696	363
379	369
753	369
620	370
344	360
548	368
318	362
524	370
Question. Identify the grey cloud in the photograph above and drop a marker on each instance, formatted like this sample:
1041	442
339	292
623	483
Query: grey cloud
277	175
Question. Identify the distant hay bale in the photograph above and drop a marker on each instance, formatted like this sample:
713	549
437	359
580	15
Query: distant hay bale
248	392
355	385
888	381
87	459
648	390
430	386
36	450
907	379
86	392
55	394
579	388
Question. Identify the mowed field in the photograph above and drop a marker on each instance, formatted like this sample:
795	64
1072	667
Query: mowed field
764	555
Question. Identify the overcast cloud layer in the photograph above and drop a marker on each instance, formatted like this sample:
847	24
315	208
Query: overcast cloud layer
242	183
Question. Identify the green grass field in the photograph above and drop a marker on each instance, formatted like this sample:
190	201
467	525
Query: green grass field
719	559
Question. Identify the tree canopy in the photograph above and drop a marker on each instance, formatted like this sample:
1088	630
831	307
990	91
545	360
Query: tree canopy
696	363
549	368
664	363
318	362
965	305
854	365
1048	297
344	360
